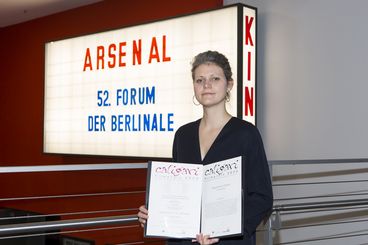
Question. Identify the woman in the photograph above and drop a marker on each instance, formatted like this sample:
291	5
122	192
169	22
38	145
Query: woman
218	136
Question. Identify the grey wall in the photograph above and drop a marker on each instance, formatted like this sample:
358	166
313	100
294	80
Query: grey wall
312	78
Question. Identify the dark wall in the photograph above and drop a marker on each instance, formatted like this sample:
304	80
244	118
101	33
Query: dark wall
21	108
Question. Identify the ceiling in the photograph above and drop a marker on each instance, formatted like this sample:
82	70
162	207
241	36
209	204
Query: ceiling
17	11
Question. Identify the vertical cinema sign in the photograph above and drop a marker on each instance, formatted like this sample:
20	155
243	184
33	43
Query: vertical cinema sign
249	65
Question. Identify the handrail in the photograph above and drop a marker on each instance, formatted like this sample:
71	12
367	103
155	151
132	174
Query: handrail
63	224
122	219
317	161
315	205
114	220
111	166
275	224
71	167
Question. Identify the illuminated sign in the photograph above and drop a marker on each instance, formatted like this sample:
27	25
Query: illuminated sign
249	65
125	92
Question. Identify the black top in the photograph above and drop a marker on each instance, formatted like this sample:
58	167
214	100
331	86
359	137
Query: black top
237	138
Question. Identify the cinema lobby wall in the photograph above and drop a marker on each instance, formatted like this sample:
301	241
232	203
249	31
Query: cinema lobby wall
21	105
311	106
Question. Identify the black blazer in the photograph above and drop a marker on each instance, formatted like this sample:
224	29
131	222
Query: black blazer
237	138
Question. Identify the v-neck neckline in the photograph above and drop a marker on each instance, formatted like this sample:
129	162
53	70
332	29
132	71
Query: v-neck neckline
213	143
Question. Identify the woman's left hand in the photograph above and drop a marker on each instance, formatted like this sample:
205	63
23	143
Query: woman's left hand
205	239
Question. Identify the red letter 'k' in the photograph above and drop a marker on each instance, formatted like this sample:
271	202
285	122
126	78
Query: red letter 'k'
248	26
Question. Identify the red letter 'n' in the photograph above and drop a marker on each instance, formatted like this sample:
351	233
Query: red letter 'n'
249	99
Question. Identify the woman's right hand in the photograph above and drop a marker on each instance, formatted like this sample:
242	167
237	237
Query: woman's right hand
142	215
205	239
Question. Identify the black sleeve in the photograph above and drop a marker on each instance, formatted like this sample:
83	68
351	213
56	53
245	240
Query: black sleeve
258	186
174	149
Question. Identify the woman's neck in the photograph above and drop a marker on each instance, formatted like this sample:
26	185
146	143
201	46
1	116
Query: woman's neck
214	118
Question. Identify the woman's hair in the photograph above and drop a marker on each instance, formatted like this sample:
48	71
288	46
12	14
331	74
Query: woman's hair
215	58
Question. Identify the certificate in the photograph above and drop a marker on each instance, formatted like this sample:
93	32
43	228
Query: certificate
186	199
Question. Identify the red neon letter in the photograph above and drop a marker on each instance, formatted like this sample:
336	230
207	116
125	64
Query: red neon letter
121	54
154	51
112	49
164	57
248	26
100	57
249	98
249	65
137	52
87	60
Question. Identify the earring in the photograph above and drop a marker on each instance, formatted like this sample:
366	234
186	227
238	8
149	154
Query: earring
194	101
227	96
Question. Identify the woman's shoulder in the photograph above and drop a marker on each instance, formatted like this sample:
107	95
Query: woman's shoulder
244	127
242	124
189	126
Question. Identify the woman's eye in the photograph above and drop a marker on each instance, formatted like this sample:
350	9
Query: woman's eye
199	80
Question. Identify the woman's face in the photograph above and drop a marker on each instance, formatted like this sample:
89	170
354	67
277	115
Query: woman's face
210	84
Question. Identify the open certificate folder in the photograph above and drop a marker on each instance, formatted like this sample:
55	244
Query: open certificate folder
186	199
